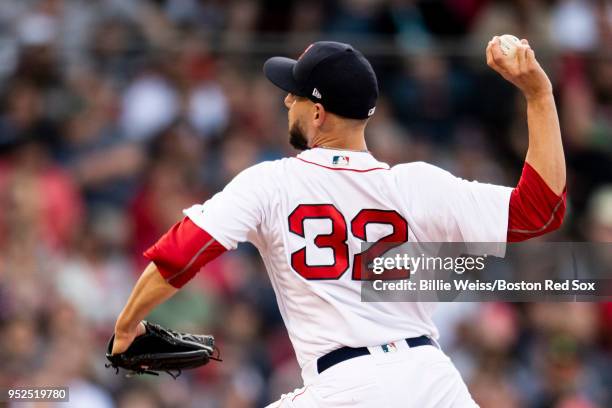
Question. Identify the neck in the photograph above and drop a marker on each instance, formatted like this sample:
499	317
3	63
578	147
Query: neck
349	140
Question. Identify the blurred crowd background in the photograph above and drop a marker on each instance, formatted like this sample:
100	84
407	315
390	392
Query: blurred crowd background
117	114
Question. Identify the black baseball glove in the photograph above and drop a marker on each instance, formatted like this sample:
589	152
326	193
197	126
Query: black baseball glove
165	350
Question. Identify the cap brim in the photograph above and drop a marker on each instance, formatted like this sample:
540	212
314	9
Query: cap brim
279	70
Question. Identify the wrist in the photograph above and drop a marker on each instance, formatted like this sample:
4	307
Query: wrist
125	328
545	95
124	334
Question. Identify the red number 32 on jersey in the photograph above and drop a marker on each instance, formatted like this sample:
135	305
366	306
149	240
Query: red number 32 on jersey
337	241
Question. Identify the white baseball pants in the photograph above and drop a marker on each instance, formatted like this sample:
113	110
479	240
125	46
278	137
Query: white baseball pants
420	377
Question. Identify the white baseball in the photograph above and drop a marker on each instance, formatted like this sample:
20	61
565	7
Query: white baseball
508	43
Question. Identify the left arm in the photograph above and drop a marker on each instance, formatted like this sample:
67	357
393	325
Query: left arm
175	259
150	291
230	216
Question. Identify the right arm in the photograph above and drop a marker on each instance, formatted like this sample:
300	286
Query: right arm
545	152
537	204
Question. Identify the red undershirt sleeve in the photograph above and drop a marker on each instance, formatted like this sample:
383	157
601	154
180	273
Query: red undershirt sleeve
182	251
534	208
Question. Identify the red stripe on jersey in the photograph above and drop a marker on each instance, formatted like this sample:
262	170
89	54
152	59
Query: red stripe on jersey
182	251
534	208
300	393
336	168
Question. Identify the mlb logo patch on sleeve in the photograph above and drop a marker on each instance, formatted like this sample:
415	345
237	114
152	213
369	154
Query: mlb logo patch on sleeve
340	161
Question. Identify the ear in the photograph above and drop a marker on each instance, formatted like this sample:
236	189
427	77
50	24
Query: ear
318	115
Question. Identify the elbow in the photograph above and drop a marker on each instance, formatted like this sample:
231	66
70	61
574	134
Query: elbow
534	208
182	252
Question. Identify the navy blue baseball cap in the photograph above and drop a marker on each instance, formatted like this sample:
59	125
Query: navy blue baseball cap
330	73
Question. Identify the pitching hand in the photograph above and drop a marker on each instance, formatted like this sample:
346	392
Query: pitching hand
522	69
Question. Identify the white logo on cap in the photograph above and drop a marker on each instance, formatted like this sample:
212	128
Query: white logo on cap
371	111
316	93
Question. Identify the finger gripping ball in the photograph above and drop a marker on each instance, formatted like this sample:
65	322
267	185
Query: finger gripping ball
508	44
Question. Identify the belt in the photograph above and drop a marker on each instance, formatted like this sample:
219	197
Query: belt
346	353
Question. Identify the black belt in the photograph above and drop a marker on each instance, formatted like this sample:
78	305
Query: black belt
346	353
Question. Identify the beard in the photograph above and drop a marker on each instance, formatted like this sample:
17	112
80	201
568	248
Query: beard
297	138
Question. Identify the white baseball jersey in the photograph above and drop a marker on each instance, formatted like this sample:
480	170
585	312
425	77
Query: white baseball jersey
308	216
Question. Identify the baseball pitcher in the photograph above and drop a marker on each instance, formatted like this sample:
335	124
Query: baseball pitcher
309	215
